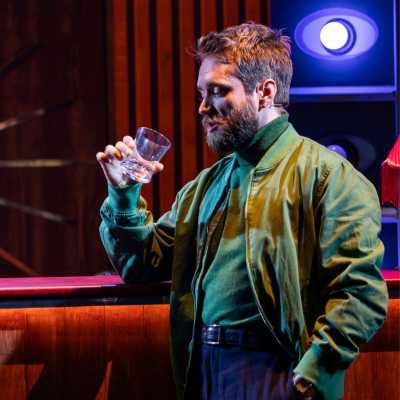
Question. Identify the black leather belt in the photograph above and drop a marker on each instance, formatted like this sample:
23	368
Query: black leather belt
218	335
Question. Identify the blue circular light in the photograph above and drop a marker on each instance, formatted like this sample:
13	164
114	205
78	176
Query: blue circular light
334	35
358	33
338	36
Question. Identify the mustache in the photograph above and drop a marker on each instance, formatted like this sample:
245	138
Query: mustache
206	120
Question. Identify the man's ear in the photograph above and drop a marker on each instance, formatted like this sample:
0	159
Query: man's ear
266	91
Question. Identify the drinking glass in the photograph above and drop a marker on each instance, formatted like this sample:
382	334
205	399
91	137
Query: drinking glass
150	146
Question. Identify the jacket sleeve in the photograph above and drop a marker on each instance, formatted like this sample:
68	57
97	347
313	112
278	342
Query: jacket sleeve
139	249
354	291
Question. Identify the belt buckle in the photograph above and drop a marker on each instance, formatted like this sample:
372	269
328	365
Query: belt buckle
242	338
218	329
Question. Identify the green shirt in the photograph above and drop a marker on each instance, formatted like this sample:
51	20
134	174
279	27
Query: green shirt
228	298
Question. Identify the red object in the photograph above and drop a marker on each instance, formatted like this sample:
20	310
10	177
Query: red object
391	177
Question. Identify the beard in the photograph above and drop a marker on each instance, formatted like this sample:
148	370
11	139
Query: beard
234	131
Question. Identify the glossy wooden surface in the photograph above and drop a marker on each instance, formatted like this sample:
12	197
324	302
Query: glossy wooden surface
375	374
97	352
121	351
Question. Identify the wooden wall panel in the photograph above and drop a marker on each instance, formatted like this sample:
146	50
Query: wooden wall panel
374	376
44	340
231	12
117	352
81	353
156	329
253	10
12	354
165	98
77	76
126	336
142	71
375	373
189	141
209	22
53	88
85	346
12	182
118	68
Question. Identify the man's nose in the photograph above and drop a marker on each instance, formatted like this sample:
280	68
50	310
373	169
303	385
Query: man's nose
204	107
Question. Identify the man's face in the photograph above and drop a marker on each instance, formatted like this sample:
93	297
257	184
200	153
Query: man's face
229	114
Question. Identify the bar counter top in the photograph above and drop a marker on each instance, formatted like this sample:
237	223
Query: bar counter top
105	290
79	290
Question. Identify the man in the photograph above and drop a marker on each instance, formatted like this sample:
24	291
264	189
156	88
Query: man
273	251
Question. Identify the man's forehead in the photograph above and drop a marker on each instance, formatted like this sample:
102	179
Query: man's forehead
214	70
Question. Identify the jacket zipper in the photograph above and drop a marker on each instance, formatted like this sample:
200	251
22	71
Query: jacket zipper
250	273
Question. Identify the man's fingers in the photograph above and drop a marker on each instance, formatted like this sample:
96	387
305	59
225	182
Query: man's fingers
123	148
112	153
101	157
153	166
158	166
129	141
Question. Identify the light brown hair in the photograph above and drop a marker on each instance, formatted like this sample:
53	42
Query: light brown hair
259	53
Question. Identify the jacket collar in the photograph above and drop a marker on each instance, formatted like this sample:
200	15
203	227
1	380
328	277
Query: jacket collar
278	149
283	145
262	141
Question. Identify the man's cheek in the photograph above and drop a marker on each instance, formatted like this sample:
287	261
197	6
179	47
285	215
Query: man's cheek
224	108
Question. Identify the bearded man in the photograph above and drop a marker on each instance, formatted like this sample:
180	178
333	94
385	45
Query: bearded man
273	251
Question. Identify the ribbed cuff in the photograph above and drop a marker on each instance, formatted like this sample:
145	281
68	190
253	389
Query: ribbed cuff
124	198
329	384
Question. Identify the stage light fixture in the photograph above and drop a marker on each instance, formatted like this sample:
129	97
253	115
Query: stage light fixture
336	34
353	148
339	150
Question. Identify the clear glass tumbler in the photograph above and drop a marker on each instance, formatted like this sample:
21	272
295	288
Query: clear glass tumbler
150	146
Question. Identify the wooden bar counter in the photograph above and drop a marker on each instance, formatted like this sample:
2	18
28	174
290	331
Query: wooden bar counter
98	338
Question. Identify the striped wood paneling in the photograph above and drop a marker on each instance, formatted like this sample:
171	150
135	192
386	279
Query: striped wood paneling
122	352
53	81
81	353
94	71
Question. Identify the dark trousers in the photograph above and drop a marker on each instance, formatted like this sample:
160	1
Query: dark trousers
233	373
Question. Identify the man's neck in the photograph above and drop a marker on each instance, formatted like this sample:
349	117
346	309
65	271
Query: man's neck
267	116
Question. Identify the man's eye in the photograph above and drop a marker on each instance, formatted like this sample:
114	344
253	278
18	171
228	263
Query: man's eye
218	91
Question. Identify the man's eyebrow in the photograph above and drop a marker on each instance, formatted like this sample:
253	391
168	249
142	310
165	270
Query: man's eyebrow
212	84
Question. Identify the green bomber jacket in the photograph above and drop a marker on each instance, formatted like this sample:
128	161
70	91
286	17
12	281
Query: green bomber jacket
312	254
